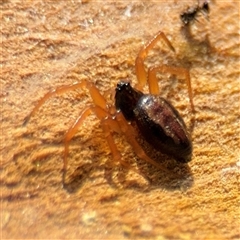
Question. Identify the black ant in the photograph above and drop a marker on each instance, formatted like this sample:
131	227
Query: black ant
190	15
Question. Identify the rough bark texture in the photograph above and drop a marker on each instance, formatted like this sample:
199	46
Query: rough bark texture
46	44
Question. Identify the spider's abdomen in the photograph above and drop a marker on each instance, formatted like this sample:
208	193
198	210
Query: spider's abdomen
162	127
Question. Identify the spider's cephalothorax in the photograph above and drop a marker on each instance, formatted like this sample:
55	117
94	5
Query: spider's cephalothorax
126	99
158	121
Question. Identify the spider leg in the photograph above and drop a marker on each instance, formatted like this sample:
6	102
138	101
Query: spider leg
108	125
98	99
139	62
153	82
113	124
100	113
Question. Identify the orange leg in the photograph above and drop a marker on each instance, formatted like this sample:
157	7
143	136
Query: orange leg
100	113
153	82
139	62
108	125
120	125
98	99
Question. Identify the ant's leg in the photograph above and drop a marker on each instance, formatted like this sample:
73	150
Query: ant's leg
98	99
139	62
153	82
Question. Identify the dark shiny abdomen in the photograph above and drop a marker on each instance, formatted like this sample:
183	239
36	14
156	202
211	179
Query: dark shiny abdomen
162	127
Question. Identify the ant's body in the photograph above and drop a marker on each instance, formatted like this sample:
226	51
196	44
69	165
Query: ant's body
190	14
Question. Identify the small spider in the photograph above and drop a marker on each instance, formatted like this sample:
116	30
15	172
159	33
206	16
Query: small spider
150	123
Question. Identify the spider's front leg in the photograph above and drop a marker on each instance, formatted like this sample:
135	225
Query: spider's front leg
100	109
139	62
96	96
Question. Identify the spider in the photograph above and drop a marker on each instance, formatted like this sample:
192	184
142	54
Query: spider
149	122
